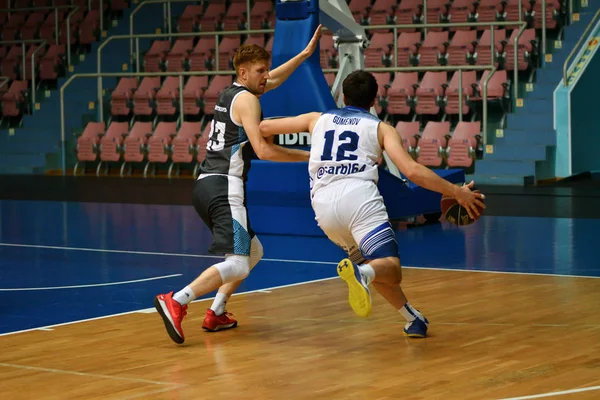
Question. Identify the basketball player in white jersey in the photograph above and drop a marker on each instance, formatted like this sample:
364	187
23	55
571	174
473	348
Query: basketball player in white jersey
345	146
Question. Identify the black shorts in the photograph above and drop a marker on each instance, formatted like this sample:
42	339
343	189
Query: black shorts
220	200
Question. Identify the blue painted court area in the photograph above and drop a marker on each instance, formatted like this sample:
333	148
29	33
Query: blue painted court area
63	262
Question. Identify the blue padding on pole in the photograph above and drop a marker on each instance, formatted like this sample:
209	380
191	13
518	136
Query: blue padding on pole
306	90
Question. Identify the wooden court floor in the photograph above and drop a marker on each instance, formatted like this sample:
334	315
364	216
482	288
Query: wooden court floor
492	336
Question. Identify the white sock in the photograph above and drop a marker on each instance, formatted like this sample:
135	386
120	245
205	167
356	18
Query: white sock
368	272
184	296
218	305
409	313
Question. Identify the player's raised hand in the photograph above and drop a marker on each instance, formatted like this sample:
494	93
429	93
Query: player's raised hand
312	45
470	200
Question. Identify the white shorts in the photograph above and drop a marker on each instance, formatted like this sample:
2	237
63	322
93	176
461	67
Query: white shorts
352	214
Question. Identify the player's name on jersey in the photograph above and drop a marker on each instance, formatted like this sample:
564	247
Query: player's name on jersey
345	121
343	169
294	139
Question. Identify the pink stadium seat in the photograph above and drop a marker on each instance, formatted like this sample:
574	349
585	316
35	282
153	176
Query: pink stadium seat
235	18
408	48
122	96
13	101
433	48
402	93
159	143
213	15
145	96
526	46
489	10
168	96
383	83
462	146
360	9
189	19
462	48
193	94
484	52
259	13
553	8
29	30
469	82
437	12
462	11
431	149
184	144
90	27
497	86
409	12
87	143
135	147
381	12
38	56
378	54
258	40
52	62
156	56
430	92
227	48
179	55
11	63
215	87
10	29
202	56
326	50
409	134
47	29
111	144
511	10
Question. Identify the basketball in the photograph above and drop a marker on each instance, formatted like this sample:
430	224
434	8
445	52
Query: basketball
456	214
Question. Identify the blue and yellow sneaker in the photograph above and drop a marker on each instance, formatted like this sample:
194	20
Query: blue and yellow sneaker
359	295
417	328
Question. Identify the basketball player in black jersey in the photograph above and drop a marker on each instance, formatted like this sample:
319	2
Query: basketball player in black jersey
219	193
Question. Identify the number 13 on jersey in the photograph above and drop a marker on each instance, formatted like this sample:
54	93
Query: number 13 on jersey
216	141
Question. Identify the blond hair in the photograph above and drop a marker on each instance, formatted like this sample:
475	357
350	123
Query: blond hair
250	53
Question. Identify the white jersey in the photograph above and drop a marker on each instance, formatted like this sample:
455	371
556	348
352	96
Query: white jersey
344	145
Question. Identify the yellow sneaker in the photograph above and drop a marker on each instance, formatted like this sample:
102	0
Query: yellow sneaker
359	295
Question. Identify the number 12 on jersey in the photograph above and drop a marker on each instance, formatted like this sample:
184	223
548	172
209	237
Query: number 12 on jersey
216	137
348	144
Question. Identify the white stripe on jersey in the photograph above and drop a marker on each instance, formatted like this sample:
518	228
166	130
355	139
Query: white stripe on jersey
344	144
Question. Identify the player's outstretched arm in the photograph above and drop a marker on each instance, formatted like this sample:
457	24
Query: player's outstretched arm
300	123
423	176
246	109
281	73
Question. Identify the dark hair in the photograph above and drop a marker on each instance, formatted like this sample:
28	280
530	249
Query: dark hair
360	89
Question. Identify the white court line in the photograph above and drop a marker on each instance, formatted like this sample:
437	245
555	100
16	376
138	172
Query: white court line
77	373
90	285
152	253
552	394
150	310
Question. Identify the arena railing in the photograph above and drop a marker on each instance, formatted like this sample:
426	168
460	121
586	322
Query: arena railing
42	43
56	26
581	40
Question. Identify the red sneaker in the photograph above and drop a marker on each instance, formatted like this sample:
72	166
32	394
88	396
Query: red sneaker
172	314
213	323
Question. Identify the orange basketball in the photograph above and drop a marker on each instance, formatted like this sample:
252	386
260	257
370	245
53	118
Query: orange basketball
455	213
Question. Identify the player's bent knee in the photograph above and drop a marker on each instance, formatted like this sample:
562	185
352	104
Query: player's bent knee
234	268
256	252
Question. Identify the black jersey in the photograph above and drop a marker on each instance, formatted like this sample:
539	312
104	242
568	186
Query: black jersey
228	150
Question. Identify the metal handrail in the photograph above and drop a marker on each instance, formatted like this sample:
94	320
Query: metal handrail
156	35
166	9
576	47
55	8
43	43
4	81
